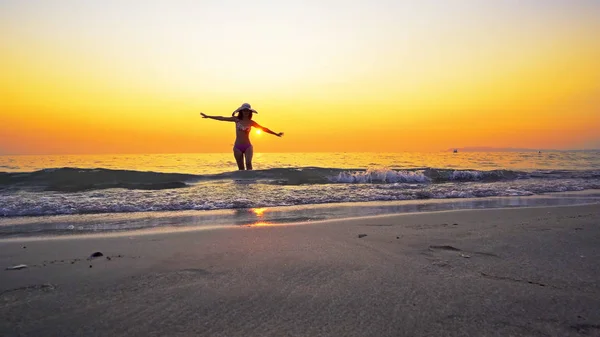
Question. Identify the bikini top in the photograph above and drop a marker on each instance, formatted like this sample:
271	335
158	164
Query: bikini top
241	127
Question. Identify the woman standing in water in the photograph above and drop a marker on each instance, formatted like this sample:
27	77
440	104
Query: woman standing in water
243	124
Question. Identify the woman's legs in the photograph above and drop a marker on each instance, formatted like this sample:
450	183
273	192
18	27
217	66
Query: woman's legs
249	154
239	158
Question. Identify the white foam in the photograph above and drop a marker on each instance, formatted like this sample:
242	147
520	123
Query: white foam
380	175
466	175
371	185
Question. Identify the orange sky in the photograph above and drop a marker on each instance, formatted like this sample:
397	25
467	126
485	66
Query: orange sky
378	76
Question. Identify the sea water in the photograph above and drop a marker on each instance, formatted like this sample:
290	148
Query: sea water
102	193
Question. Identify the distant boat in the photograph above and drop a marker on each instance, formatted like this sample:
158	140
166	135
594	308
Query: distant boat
455	150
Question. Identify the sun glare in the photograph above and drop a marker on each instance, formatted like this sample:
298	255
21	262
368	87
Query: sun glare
258	132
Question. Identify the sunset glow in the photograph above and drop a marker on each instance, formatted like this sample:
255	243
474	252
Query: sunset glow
373	76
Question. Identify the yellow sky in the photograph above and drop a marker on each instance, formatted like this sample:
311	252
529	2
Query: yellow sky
382	76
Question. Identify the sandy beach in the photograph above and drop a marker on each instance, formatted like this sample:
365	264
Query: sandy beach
504	272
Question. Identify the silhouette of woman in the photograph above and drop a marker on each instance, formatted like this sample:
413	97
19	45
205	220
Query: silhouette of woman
243	124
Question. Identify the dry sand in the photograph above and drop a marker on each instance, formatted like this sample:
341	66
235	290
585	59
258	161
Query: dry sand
509	272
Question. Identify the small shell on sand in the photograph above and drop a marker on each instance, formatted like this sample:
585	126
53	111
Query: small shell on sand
17	267
95	255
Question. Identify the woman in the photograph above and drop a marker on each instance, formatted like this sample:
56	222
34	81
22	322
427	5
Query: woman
243	124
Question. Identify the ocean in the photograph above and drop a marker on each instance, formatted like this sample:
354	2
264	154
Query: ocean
83	194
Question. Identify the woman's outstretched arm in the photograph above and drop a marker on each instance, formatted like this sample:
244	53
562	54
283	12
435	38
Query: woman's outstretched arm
219	118
256	125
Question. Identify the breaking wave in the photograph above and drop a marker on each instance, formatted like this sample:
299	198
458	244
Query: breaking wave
77	180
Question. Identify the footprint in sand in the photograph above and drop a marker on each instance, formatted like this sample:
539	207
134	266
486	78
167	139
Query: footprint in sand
36	287
462	253
445	247
194	271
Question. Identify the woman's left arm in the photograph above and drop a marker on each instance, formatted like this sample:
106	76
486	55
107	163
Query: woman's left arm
258	126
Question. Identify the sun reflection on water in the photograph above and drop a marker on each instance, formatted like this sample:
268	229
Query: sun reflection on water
261	224
259	211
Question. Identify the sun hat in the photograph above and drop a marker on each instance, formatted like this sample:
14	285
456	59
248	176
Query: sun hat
245	106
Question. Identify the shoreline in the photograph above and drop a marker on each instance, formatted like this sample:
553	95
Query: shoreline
138	223
494	272
166	230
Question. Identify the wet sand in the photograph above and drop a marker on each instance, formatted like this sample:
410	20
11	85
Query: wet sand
503	272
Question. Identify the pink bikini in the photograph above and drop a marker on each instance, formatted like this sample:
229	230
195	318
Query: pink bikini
242	147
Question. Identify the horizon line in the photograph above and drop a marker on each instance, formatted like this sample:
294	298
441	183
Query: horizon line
466	149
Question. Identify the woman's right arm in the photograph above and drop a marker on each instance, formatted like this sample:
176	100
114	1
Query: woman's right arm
219	118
